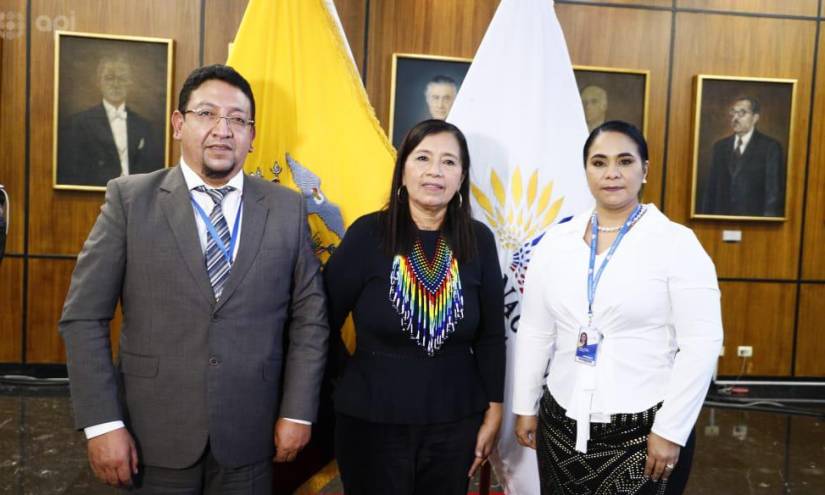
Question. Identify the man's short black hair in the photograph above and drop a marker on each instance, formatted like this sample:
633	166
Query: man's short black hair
220	72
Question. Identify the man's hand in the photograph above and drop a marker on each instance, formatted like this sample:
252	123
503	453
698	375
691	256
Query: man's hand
290	438
113	457
526	427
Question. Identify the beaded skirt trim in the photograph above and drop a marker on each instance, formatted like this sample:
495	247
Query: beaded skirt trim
614	461
427	294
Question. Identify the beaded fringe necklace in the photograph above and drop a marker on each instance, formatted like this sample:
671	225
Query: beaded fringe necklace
427	294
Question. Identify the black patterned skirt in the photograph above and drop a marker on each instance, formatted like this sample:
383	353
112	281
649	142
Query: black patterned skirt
615	459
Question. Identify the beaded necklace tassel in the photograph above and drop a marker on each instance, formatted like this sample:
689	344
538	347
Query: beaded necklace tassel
427	295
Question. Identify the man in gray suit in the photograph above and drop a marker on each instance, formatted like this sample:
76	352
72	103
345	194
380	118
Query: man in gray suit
212	268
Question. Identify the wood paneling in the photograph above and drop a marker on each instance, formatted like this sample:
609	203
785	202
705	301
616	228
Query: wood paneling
353	15
49	281
643	3
48	284
60	220
748	47
813	254
11	309
810	344
632	39
436	27
221	22
760	315
13	120
783	7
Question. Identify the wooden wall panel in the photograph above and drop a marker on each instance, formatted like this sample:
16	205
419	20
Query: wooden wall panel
760	315
644	3
60	220
223	17
632	39
435	27
13	122
353	15
748	47
11	309
813	254
810	344
221	22
783	7
48	284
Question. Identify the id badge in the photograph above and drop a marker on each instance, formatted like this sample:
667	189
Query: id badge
587	347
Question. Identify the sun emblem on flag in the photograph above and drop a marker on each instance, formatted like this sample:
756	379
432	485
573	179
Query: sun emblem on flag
518	219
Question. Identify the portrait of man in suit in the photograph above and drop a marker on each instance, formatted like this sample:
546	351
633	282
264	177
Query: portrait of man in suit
213	270
612	93
440	95
109	139
594	100
747	171
423	87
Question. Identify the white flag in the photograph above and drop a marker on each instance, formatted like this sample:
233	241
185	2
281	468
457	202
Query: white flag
521	112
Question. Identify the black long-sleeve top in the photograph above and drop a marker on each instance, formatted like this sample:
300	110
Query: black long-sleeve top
391	379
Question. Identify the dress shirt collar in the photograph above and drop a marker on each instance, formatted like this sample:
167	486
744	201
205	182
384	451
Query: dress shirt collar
745	139
114	112
194	180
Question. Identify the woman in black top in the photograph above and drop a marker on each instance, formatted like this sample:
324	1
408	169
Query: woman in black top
418	405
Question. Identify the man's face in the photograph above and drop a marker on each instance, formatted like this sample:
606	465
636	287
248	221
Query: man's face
440	97
594	100
742	118
115	79
215	150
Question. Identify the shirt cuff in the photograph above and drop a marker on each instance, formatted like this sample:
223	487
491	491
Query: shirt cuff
97	430
299	421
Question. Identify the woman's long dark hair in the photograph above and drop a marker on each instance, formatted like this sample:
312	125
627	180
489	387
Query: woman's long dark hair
457	229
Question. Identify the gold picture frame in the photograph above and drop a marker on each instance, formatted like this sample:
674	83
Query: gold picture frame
107	85
743	130
613	93
420	84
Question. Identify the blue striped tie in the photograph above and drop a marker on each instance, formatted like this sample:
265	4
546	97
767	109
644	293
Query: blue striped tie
217	265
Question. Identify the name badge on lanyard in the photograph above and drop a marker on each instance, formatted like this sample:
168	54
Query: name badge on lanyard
590	338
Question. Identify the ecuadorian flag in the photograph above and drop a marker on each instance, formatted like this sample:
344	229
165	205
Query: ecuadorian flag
316	130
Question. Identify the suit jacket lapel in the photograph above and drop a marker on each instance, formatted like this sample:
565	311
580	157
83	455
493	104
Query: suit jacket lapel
175	203
253	223
103	131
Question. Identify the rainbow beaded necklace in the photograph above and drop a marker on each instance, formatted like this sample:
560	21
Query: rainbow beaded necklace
427	294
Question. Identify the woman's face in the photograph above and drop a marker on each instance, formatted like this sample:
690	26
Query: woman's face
433	172
615	171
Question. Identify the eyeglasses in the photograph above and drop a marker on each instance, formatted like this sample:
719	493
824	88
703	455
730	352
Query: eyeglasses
210	118
738	113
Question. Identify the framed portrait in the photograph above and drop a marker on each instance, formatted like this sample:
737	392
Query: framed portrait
741	142
423	87
111	107
613	94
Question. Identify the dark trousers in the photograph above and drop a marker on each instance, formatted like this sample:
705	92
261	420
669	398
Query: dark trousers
377	458
206	477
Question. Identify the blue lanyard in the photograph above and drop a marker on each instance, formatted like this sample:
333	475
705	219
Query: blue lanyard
227	252
593	281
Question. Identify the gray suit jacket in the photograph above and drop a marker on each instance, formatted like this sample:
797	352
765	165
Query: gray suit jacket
191	369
